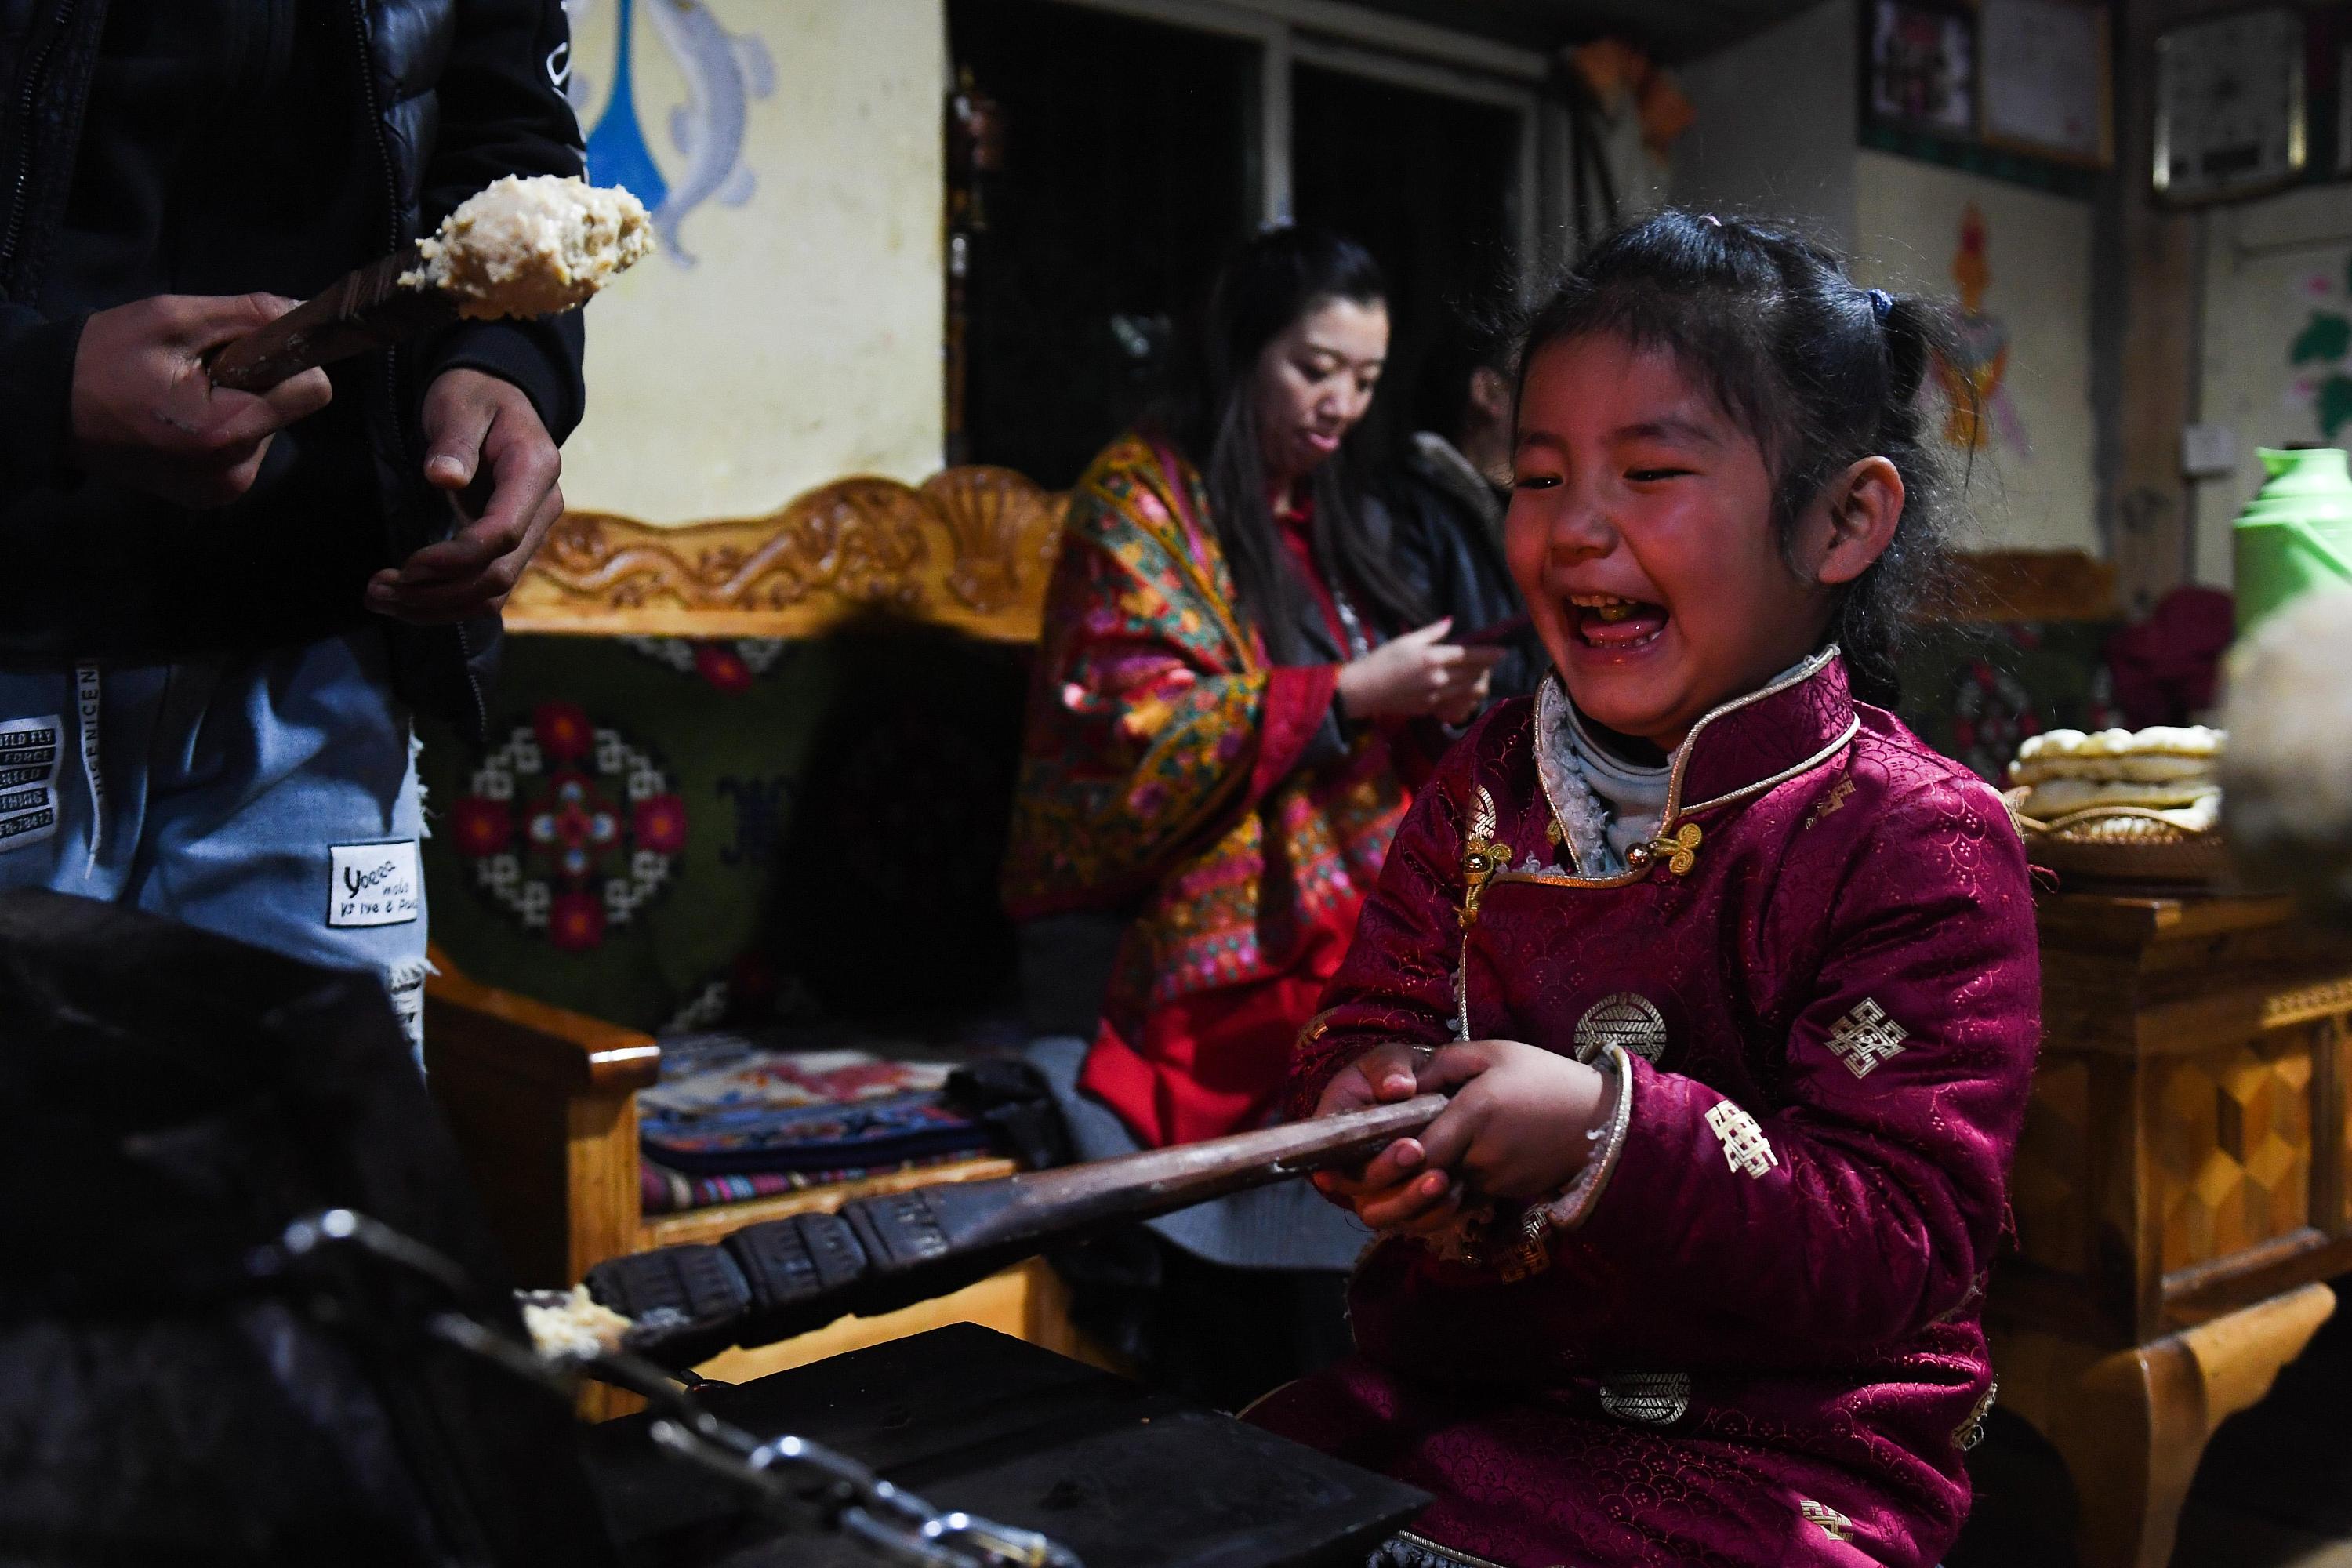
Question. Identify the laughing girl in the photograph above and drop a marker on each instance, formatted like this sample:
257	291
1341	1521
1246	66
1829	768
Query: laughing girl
1743	975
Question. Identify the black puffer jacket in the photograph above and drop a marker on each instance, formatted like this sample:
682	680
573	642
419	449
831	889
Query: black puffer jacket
1451	550
442	96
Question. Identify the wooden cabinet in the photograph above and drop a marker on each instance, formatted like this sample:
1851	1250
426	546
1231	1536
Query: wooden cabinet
2179	1191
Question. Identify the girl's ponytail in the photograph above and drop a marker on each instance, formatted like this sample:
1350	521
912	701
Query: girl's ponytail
1915	331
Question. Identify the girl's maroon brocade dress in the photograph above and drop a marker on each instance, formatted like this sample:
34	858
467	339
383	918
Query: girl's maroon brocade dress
1750	1336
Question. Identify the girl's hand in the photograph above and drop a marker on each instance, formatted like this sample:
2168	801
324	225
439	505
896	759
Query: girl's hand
1417	675
1381	1076
1517	1127
1392	1190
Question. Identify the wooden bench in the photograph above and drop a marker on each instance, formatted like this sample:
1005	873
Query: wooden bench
542	1100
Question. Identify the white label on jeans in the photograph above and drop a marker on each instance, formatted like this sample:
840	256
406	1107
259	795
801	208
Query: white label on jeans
31	750
373	885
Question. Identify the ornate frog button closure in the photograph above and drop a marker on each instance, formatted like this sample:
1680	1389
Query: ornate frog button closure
1481	856
1678	854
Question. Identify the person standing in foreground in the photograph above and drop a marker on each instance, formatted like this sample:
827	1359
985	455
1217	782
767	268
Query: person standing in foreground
1734	981
220	609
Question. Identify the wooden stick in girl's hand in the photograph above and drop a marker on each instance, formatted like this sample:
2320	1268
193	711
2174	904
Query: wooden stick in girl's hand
517	247
876	1254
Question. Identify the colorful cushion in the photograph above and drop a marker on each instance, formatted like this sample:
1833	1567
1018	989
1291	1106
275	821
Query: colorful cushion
800	1110
740	1116
674	834
611	851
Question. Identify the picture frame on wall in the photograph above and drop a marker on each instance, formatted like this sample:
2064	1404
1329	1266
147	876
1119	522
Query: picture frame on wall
2328	42
2344	110
2047	85
2231	110
1922	68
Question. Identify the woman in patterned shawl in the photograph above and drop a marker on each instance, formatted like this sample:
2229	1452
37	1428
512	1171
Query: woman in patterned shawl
1208	753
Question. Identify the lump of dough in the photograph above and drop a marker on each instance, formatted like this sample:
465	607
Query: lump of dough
571	1324
533	247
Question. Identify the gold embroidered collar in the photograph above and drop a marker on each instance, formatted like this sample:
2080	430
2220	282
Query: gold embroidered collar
1737	749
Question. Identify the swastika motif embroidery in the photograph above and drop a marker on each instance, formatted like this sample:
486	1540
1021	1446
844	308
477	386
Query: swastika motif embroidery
1743	1145
1865	1038
1834	1525
1828	804
1652	1398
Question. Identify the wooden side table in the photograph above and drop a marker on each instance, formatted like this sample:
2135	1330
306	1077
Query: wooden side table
2180	1191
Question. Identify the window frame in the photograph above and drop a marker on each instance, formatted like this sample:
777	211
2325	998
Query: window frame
1331	35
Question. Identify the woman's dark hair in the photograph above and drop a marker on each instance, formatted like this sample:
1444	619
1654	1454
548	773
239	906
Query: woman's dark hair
1821	372
1212	416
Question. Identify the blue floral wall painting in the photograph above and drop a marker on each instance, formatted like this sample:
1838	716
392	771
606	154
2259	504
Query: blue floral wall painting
723	73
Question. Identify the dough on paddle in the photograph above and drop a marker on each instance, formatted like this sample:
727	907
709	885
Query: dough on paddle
533	247
571	1323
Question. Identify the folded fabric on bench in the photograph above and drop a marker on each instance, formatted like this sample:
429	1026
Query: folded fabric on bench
764	1111
665	1191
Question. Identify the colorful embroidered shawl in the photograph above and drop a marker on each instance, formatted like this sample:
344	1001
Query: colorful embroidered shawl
1161	767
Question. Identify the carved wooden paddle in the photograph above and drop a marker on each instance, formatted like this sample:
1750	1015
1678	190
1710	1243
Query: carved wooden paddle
767	1282
367	309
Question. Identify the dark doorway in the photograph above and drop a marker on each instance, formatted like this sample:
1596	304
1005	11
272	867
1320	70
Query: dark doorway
1427	182
1127	173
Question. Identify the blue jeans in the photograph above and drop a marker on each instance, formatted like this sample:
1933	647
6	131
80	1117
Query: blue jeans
271	797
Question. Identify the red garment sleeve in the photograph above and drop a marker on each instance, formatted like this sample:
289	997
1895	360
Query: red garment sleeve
1297	699
1868	1201
1397	983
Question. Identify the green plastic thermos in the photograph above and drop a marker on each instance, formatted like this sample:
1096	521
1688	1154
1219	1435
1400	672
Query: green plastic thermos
2297	534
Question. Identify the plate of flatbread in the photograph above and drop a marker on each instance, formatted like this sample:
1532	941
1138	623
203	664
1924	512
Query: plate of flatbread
2136	804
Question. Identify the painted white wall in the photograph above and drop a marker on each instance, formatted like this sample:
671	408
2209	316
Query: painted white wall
2271	267
803	344
1775	132
2038	246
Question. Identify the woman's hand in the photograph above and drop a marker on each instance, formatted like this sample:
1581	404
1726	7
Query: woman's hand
1393	1189
1418	674
1516	1127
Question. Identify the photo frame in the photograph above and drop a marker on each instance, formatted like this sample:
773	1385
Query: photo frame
2342	61
1921	67
2232	105
2046	80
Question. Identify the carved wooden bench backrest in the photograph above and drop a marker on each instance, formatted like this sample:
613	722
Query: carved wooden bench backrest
968	549
1994	585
